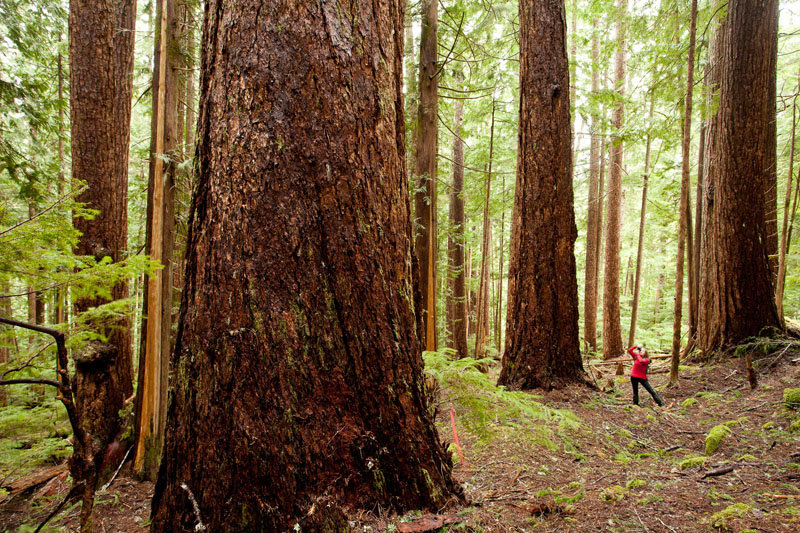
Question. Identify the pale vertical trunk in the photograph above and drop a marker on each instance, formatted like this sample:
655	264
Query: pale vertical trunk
5	350
153	371
612	336
640	249
684	202
785	226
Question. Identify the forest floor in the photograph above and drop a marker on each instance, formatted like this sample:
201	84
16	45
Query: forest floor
579	459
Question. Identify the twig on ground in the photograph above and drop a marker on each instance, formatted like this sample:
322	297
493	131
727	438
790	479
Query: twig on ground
639	517
110	481
72	492
666	526
718	471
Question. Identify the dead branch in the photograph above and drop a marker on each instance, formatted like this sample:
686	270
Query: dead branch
199	526
721	471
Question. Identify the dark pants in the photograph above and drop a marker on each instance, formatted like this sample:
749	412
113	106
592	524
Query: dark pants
635	383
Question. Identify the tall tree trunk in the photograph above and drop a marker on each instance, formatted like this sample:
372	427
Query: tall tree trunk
301	392
684	210
425	196
99	123
482	326
735	290
542	339
411	71
165	142
593	212
612	333
498	337
61	292
457	304
5	342
770	163
640	249
698	222
785	225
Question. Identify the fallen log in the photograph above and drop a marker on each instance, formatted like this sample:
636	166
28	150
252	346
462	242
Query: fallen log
37	478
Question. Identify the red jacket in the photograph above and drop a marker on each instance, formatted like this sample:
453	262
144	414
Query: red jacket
639	364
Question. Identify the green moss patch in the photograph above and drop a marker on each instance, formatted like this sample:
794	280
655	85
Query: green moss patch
791	397
737	510
715	437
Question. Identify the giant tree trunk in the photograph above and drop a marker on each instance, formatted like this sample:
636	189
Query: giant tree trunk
542	340
298	378
612	333
425	195
457	301
735	290
165	140
593	212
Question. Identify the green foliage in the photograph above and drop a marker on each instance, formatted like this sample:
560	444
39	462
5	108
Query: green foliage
635	484
487	406
737	510
688	402
715	437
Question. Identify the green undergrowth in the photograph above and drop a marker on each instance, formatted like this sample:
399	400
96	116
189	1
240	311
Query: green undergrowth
32	437
485	408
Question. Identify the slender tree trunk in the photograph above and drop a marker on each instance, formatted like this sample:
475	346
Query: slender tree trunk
593	212
698	222
736	299
156	326
612	334
785	226
684	209
411	71
482	326
771	152
640	248
425	196
499	316
300	393
61	292
542	339
457	304
5	339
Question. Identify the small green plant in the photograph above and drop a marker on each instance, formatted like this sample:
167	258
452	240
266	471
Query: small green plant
794	427
737	510
614	493
688	402
714	494
635	484
715	437
746	458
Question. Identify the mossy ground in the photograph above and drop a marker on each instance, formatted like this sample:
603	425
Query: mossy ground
574	460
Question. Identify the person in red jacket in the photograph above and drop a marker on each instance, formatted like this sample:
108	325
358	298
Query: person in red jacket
639	374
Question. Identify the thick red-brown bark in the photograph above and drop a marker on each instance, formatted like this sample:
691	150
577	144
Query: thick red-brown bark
542	345
298	383
102	387
735	286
